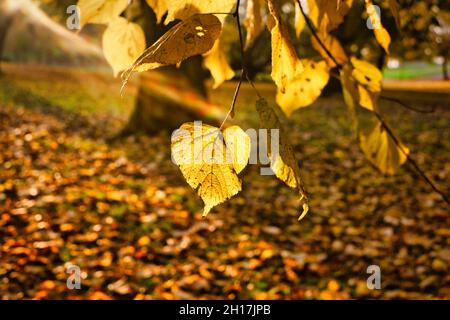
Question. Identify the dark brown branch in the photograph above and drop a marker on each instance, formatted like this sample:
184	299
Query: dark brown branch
406	106
411	160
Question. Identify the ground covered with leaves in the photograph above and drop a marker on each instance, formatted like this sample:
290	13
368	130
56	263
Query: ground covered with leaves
123	213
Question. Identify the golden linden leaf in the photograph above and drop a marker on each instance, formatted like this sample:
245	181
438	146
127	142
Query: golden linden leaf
282	161
216	62
305	88
191	37
100	11
123	42
210	161
159	7
382	151
333	46
253	21
285	63
369	79
183	9
327	15
381	34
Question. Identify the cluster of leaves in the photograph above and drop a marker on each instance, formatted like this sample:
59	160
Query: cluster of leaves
299	81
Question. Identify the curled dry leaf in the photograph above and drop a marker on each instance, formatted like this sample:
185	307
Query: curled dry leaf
211	160
283	163
100	11
191	37
305	88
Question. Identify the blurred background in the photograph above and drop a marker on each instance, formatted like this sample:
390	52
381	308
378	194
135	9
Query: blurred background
86	176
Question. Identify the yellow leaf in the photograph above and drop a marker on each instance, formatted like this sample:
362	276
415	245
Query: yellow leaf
159	7
285	63
333	46
239	144
369	79
368	99
210	161
216	62
305	88
382	150
253	22
367	74
123	43
381	34
395	9
183	9
283	162
188	38
327	15
100	11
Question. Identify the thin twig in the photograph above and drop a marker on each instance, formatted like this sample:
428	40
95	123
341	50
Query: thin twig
411	160
243	69
406	106
316	36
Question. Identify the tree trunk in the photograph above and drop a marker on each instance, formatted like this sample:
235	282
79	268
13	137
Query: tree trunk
5	25
153	113
445	68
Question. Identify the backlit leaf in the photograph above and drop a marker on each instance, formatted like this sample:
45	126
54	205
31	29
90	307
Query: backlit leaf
369	79
381	34
253	21
123	42
160	7
216	62
305	88
282	161
100	11
210	160
382	150
285	63
333	46
327	15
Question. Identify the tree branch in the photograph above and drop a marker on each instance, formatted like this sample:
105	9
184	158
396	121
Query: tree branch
411	160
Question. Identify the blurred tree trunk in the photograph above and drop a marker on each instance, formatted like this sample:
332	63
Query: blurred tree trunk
445	68
5	24
152	113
